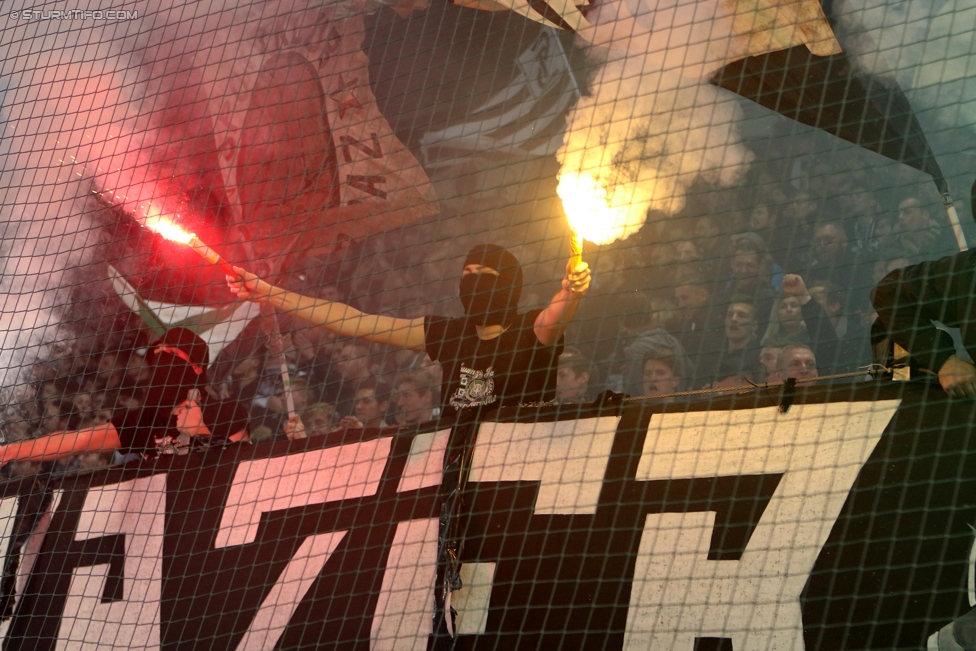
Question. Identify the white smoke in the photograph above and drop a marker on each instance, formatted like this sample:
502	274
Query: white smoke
77	118
93	106
61	96
928	47
646	135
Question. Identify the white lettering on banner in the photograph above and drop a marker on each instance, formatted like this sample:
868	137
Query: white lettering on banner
568	458
327	475
136	509
288	591
8	514
678	594
425	463
405	607
471	601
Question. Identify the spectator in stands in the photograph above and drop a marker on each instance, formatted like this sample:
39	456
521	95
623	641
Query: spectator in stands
654	344
798	318
517	352
753	269
688	251
831	246
573	376
835	259
109	371
700	325
853	339
371	405
662	373
769	358
797	361
137	371
739	354
883	234
313	420
709	235
692	297
918	233
414	396
786	320
177	411
245	377
354	365
752	277
909	300
301	397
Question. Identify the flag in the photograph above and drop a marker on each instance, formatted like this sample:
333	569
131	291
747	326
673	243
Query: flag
524	118
836	95
693	37
307	158
216	325
561	14
696	37
268	132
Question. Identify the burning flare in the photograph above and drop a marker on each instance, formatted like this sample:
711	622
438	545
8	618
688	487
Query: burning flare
592	214
170	230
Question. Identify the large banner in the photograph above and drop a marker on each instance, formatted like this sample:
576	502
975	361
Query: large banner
840	521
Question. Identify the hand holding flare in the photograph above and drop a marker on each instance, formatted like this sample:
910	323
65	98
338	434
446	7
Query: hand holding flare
594	213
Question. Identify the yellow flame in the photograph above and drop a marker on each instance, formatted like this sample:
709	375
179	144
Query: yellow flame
589	210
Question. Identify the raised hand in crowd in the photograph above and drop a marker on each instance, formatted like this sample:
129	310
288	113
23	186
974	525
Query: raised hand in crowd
793	285
189	416
577	279
295	428
350	422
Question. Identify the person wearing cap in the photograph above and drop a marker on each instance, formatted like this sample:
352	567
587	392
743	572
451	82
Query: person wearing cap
176	412
492	356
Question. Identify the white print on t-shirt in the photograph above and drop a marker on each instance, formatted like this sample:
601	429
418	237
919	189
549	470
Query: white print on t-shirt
477	388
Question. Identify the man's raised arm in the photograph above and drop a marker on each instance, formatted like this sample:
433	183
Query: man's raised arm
551	323
336	317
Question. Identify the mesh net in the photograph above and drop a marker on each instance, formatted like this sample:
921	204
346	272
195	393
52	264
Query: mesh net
245	407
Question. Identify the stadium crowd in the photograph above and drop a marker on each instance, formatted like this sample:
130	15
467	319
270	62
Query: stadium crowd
722	304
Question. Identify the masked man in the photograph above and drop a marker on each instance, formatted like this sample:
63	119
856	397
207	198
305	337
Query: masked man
492	357
176	414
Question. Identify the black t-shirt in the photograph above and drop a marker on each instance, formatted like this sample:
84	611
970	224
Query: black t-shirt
513	368
151	431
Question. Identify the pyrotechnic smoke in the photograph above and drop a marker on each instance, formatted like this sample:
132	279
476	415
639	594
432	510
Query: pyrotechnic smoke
77	119
103	108
929	48
60	99
646	135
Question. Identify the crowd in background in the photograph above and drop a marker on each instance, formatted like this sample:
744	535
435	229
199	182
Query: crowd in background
719	304
744	302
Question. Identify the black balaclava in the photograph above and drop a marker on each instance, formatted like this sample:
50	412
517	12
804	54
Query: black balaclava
489	299
172	376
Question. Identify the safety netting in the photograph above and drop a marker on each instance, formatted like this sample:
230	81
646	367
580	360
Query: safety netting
489	325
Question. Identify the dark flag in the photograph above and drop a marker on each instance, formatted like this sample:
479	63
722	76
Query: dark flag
833	94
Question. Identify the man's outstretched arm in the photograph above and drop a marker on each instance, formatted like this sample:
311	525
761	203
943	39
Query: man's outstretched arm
101	438
551	323
335	317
